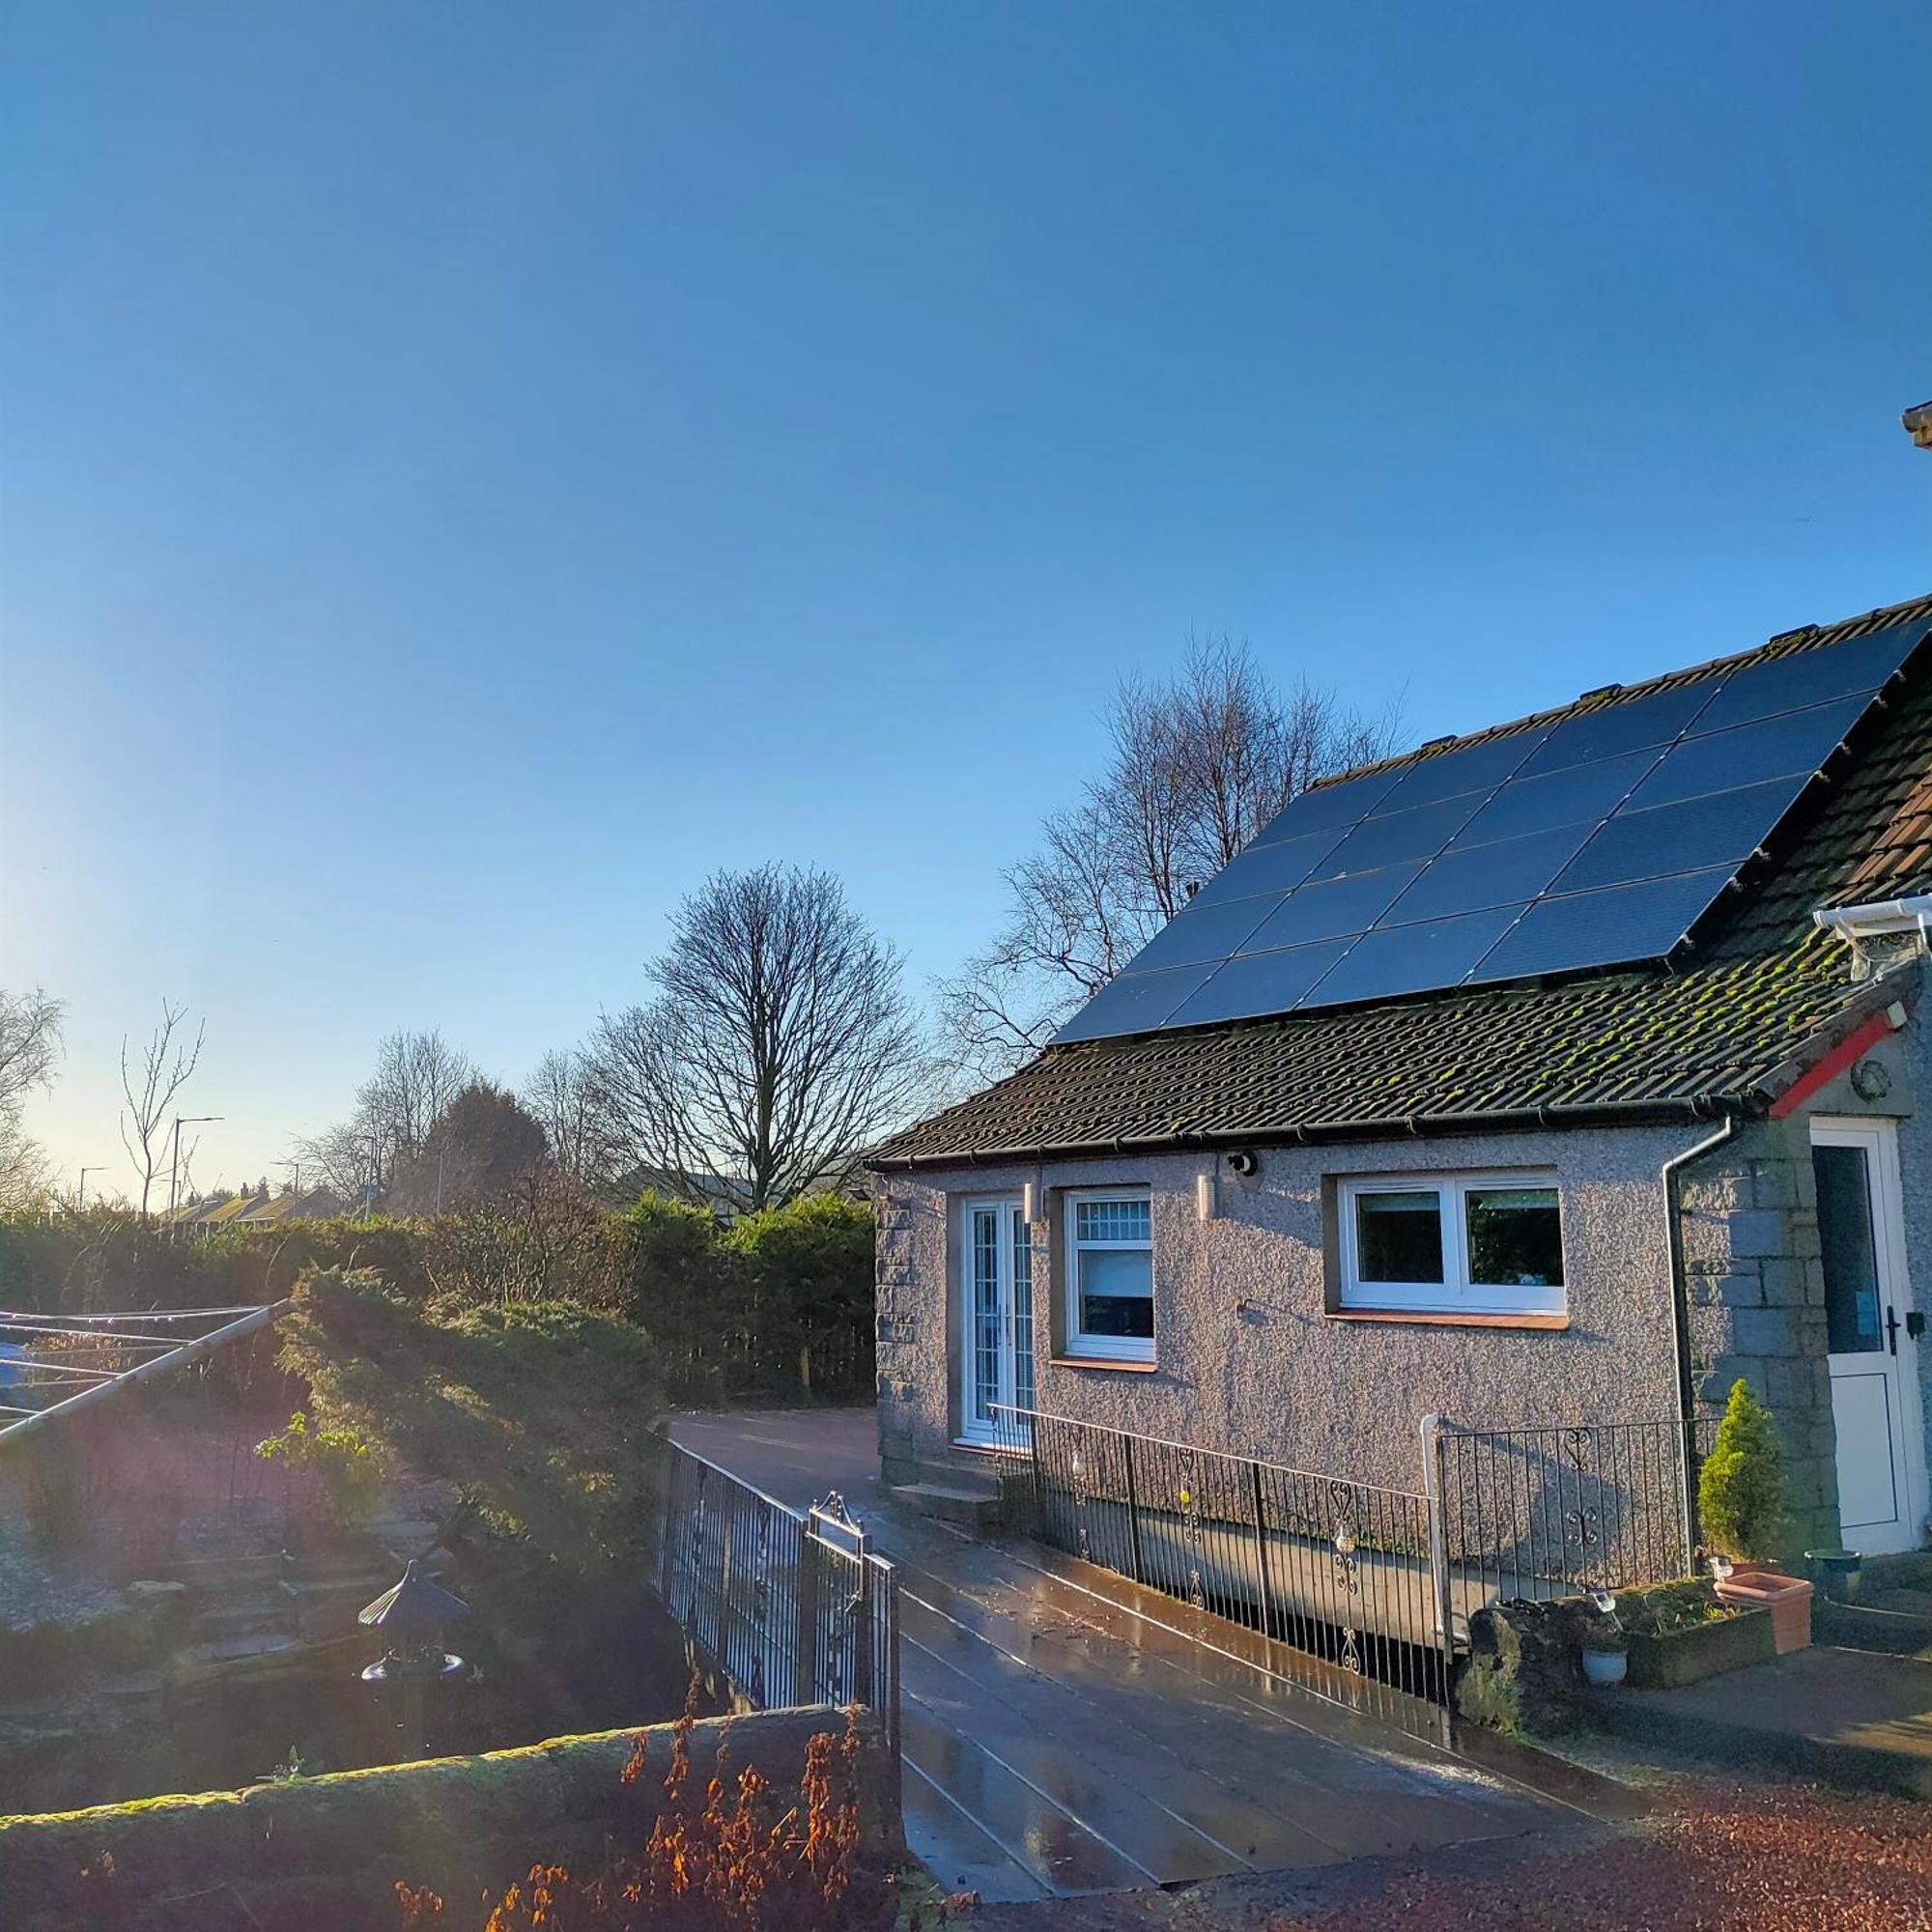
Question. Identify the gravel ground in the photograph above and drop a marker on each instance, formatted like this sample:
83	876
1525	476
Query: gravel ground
1743	1856
35	1590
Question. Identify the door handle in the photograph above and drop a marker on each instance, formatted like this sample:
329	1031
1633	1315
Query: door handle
1891	1327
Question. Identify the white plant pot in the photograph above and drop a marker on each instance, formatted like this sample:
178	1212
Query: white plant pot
1602	1667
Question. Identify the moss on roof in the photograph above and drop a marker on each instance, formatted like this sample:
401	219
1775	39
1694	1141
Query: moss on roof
1719	1029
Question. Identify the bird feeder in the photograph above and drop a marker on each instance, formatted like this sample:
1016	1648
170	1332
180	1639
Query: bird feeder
411	1614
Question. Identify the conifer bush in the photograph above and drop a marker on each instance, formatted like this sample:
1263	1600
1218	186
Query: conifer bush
1740	1494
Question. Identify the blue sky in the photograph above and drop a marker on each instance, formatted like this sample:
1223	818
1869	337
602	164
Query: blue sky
468	472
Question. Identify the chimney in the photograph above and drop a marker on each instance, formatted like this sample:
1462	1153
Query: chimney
1917	421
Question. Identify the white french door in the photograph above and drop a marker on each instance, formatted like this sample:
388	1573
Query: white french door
1872	1339
996	1311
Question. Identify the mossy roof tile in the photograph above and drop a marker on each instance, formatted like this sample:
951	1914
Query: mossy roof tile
1710	1032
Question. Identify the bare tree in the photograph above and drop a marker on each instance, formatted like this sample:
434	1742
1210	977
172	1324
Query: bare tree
167	1063
563	1097
778	1045
1201	762
417	1076
30	1026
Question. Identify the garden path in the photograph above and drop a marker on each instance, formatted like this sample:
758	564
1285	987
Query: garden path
1059	1743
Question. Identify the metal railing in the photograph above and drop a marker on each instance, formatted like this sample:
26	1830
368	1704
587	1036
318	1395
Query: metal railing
789	1608
1336	1568
1541	1510
1378	1583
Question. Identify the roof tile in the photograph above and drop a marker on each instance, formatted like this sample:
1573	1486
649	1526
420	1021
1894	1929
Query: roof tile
1714	1033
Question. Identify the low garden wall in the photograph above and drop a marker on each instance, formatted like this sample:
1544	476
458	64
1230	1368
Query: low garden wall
328	1851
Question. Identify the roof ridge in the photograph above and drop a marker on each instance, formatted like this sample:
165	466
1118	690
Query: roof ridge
1803	637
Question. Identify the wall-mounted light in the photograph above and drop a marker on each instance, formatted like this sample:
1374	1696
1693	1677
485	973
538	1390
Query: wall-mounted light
1030	1202
1244	1163
1203	1195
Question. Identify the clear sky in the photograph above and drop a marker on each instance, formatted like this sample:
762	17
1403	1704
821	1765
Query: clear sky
468	470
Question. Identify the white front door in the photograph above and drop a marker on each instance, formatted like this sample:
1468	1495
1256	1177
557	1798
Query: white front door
1873	1353
996	1308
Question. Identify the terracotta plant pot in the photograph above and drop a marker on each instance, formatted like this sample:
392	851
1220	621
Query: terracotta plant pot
1788	1598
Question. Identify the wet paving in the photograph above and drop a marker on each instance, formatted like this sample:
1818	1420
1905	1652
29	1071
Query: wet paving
1059	1742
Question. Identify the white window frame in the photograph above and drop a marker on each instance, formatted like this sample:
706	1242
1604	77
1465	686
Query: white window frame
1455	1294
1077	1341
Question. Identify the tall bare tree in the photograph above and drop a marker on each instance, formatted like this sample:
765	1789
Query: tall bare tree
1201	762
779	1044
30	1026
562	1096
417	1076
166	1065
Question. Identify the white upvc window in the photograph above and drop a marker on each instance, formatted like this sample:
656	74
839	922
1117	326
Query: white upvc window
1458	1243
1110	1274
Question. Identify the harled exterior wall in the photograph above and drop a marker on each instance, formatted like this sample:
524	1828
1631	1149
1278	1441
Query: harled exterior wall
1250	1357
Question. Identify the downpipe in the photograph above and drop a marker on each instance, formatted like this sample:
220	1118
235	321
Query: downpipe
1680	1324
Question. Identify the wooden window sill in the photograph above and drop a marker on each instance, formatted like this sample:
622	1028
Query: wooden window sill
1450	1317
1102	1362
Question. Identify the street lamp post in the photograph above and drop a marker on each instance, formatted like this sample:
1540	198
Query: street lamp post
174	1165
80	1196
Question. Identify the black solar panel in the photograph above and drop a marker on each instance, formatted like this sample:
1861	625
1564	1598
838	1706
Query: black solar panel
1208	933
1797	742
1511	871
1641	922
1625	725
1134	1002
1260	983
1811	677
1330	908
1420	833
1415	959
1721	828
1596	842
1480	768
1579	796
1329	809
1263	868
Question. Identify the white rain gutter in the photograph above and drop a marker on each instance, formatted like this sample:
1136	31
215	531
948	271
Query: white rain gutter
1878	919
175	1359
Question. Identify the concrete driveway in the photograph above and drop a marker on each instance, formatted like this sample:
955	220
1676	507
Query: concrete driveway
1058	1742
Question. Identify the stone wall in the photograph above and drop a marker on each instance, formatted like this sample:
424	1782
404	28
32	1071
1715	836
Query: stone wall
328	1851
1756	1287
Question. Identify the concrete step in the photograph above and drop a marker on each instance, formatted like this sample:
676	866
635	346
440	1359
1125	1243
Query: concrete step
951	1502
1877	1626
1852	1719
224	1626
222	1654
214	1575
364	1585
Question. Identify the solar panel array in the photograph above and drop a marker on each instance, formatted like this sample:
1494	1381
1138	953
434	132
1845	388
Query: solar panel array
1597	840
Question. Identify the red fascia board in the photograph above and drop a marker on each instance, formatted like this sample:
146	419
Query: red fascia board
1830	1066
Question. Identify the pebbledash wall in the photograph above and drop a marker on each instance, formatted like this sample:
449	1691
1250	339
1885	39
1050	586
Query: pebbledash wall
1250	1354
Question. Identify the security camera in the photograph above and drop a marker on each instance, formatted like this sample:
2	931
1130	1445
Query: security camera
1244	1163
